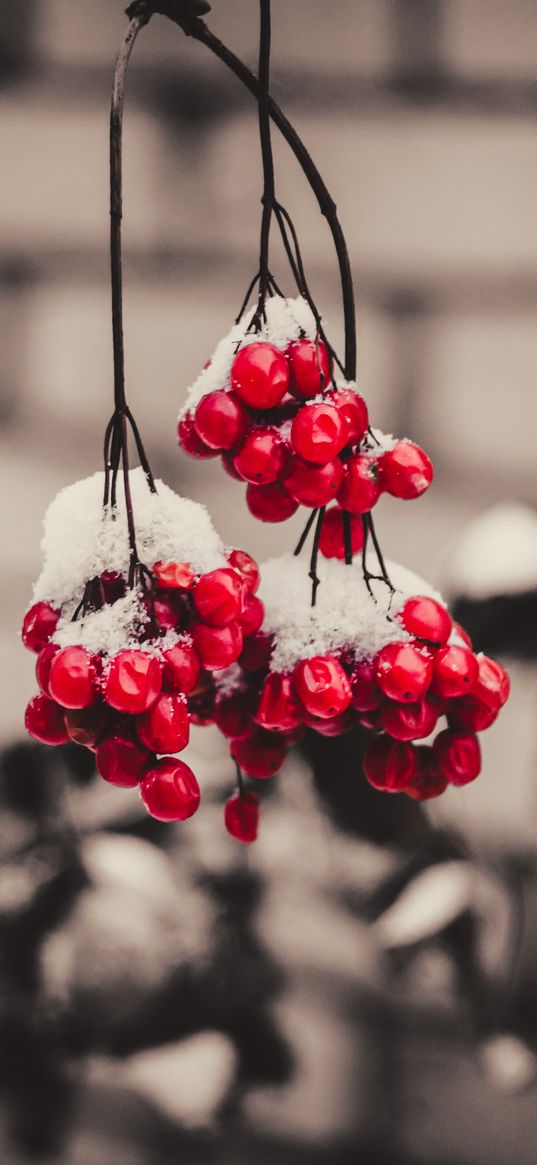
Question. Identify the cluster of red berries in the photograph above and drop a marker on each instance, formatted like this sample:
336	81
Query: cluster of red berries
133	707
400	693
282	425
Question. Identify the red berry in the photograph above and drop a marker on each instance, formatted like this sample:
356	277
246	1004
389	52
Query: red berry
459	756
228	462
492	686
257	652
113	585
332	540
39	624
261	754
353	412
121	761
455	671
201	704
462	634
73	678
263	456
233	714
164	613
310	367
190	441
219	597
270	503
322	686
88	726
43	664
170	791
279	709
361	487
241	816
428	780
260	375
409	721
174	575
407	472
403	671
314	485
44	720
426	619
247	568
221	420
335	726
217	647
318	433
134	681
165	727
471	714
181	668
389	765
366	694
252	617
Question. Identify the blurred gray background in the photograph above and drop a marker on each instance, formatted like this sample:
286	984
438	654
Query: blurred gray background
421	117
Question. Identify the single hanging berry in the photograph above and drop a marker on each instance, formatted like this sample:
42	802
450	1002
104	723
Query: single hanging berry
241	816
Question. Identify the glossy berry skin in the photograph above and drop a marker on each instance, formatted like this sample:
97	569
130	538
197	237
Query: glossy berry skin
181	668
462	634
314	485
353	412
44	720
262	457
241	816
335	726
270	503
257	652
279	709
219	597
332	540
170	791
492	685
458	755
43	665
361	486
233	714
217	647
455	671
403	671
122	761
174	575
88	726
201	704
134	681
318	433
426	619
191	442
72	678
407	472
228	463
252	617
260	375
310	368
164	613
322	686
221	420
366	694
165	726
389	765
428	780
470	714
38	625
409	721
261	754
247	568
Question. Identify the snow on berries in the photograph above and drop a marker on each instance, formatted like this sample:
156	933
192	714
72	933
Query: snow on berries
124	665
392	662
268	403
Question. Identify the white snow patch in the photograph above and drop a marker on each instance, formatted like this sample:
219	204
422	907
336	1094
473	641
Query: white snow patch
345	614
496	554
81	540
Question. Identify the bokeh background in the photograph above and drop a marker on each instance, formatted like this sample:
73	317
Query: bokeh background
335	1028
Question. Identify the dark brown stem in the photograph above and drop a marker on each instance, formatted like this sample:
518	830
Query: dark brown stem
266	152
315	580
305	532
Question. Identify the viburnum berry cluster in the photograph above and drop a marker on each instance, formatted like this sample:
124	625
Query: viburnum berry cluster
124	669
394	663
268	404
